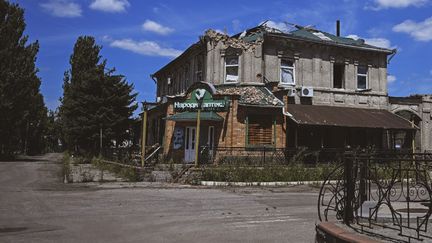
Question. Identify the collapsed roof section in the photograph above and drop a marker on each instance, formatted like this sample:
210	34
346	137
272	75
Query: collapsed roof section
307	33
250	39
258	96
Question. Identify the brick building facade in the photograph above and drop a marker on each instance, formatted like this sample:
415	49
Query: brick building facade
268	88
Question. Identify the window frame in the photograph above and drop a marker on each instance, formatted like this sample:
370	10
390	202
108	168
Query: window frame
287	67
363	75
226	66
272	128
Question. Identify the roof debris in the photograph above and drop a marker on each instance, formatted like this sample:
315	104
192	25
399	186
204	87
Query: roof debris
251	95
232	42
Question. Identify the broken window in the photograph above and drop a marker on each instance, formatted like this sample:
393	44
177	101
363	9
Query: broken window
287	72
231	69
338	75
260	132
199	69
186	76
362	71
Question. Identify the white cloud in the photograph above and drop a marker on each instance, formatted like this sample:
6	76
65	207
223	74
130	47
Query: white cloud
278	25
421	31
391	78
384	4
146	48
378	42
156	27
112	6
62	8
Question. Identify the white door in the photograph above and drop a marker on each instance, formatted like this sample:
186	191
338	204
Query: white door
190	142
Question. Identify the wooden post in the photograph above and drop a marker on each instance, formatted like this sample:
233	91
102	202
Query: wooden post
100	141
349	190
197	135
413	135
144	134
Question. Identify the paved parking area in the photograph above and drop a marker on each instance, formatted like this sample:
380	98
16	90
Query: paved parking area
35	206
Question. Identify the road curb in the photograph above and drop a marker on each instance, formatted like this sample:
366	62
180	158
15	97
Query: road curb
271	183
329	232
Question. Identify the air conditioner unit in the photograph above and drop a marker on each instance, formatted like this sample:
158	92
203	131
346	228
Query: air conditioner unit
306	92
291	92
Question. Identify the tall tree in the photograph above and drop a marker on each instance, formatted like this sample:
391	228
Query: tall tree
94	100
21	104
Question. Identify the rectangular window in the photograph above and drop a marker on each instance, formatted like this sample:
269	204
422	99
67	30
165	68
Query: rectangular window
287	72
362	72
260	132
231	69
199	69
338	75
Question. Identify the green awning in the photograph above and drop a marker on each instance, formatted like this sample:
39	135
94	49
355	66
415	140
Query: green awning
192	116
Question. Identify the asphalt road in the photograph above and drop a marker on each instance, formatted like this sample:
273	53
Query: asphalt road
35	206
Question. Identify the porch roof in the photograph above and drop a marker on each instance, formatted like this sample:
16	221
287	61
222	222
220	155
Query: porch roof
346	117
192	116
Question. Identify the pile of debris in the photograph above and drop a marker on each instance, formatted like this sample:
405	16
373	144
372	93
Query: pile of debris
251	95
228	41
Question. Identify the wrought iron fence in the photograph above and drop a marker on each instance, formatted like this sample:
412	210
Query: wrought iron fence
387	191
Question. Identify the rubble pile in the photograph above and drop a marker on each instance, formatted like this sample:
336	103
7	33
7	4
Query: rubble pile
251	95
217	37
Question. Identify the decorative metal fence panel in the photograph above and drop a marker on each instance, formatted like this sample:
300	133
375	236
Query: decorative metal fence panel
388	194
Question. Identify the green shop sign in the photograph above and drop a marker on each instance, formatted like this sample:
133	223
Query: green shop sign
208	103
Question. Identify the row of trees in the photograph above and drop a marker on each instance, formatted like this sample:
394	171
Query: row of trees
23	115
95	100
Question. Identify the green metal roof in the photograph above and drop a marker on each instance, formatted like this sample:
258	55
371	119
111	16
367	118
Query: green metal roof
309	34
192	116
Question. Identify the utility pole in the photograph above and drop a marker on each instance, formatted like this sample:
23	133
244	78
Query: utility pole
197	136
144	134
413	134
100	140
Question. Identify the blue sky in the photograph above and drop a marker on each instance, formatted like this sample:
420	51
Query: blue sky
141	36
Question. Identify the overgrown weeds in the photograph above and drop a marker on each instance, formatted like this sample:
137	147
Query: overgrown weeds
128	173
294	172
66	168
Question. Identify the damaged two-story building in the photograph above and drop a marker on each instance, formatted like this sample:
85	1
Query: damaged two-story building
284	90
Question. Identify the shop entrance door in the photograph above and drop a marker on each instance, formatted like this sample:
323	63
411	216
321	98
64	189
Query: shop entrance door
190	144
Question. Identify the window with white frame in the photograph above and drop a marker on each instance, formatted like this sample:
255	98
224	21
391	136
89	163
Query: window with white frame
362	73
287	75
231	69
